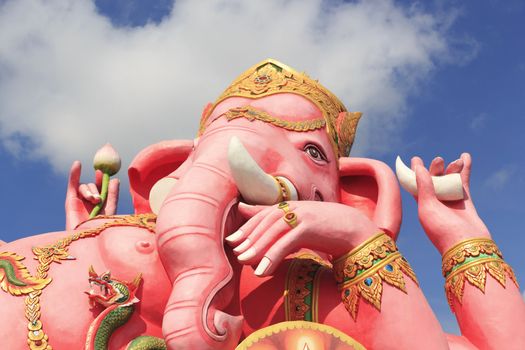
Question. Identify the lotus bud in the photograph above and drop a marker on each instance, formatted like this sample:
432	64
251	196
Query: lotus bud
107	160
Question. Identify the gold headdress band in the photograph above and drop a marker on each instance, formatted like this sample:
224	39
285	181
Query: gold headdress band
271	77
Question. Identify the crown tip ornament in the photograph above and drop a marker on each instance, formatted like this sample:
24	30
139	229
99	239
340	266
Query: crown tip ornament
270	77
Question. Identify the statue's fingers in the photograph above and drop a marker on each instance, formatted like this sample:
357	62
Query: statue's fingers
277	252
454	167
268	219
112	199
247	211
244	231
437	167
98	178
74	180
86	194
416	161
260	243
94	191
467	166
425	187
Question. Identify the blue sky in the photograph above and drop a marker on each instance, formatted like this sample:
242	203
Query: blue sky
438	78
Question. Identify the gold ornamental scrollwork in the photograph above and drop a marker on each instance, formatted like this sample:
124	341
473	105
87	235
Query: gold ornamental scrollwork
301	292
250	113
468	248
361	272
471	261
363	257
271	77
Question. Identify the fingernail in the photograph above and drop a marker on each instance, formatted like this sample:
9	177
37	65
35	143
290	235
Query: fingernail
242	246
247	255
234	236
89	193
263	266
96	196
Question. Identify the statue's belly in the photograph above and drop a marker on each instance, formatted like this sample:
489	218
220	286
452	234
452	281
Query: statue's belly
300	289
62	307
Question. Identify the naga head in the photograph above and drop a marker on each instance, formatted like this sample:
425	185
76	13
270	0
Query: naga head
106	290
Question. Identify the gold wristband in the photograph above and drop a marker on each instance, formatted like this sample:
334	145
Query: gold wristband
363	256
470	260
468	248
361	272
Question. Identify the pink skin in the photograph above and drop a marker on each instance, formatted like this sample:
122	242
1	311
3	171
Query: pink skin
488	320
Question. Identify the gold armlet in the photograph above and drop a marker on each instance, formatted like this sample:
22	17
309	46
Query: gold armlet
470	260
361	272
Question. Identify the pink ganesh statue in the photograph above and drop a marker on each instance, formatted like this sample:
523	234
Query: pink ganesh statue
260	234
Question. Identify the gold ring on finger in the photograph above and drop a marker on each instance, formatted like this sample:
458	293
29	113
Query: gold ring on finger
284	207
291	219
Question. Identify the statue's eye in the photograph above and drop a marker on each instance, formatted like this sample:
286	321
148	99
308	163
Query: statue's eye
315	153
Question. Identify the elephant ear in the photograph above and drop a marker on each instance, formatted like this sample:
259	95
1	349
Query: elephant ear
152	164
371	187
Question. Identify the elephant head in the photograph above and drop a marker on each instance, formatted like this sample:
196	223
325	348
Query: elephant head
273	135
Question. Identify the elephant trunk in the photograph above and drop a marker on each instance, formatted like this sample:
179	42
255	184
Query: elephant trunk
190	243
190	235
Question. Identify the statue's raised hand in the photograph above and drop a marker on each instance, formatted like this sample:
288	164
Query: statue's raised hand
266	238
82	198
447	222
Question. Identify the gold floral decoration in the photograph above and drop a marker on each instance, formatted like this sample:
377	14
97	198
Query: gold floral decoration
363	257
468	248
15	278
301	295
361	272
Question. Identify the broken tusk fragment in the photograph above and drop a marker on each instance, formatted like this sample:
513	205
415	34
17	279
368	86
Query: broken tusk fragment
447	187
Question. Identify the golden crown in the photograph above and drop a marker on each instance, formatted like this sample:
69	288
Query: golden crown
271	77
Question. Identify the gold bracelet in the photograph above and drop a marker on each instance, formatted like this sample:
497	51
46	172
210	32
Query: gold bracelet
363	256
470	260
361	272
468	248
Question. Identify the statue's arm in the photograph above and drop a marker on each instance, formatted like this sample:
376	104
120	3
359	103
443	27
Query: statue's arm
481	287
382	305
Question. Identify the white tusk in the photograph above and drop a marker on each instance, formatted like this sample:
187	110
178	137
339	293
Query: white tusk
447	187
255	186
159	192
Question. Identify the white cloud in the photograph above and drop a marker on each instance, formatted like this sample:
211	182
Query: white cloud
70	81
500	178
478	123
